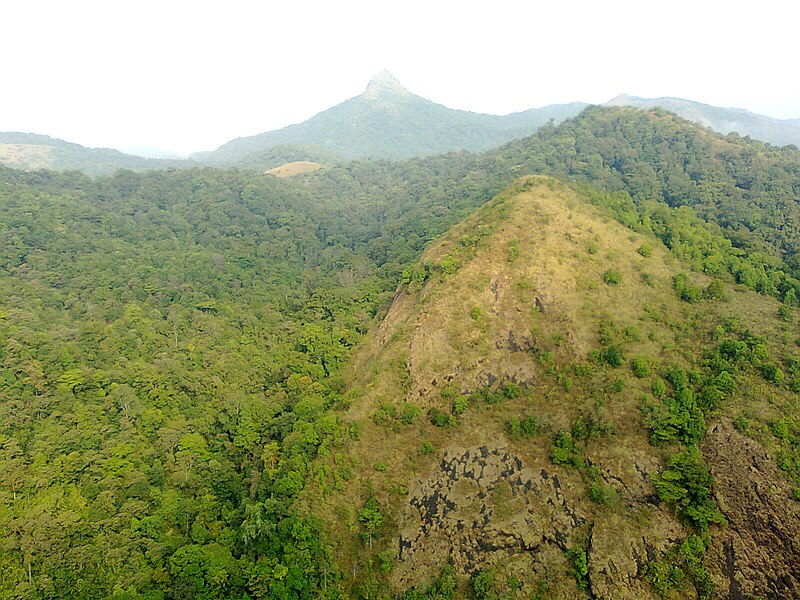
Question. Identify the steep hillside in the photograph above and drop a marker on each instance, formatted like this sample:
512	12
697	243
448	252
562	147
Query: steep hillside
32	151
722	120
540	412
388	121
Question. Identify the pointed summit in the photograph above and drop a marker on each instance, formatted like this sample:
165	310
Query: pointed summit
384	84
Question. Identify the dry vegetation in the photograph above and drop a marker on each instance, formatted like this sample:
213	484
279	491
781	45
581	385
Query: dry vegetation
295	168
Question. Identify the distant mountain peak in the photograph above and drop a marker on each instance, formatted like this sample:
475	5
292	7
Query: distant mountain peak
384	84
621	98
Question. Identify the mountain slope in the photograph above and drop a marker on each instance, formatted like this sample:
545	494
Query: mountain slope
505	413
722	120
33	151
387	121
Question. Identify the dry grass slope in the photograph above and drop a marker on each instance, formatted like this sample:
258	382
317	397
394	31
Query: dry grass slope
295	168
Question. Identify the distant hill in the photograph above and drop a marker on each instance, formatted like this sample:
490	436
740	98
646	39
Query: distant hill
33	151
389	122
722	120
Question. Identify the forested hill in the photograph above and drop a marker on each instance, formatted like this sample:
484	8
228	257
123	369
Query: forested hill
746	190
32	151
172	342
389	122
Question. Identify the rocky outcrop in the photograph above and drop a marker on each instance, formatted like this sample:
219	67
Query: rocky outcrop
758	554
482	506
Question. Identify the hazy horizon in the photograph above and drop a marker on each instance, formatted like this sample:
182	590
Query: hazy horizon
187	77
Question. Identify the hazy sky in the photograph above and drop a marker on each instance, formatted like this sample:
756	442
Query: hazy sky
190	75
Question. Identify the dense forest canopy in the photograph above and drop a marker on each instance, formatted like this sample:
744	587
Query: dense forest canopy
171	342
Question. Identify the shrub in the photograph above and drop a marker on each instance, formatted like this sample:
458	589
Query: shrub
481	584
579	566
685	290
409	413
526	428
612	356
715	290
460	405
511	390
686	486
441	419
640	367
612	277
645	250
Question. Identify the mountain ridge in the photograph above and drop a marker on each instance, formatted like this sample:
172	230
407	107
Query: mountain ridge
724	120
37	151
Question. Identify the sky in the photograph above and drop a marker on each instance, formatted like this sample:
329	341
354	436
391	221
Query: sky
188	76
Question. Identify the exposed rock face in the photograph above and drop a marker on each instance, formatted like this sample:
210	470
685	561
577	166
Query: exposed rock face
483	507
758	554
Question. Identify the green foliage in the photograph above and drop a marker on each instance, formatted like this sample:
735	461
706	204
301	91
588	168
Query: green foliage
612	356
604	494
678	416
640	367
578	560
487	394
481	584
442	419
460	405
564	451
171	343
682	565
426	448
513	250
787	431
645	250
715	290
371	520
445	587
511	390
526	428
612	277
685	290
686	486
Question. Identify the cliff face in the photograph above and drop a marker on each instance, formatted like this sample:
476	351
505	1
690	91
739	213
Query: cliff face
758	554
501	441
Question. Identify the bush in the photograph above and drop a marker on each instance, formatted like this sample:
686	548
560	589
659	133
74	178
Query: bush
686	486
481	584
441	419
612	277
715	290
645	250
527	428
612	356
640	367
460	405
772	373
685	290
579	566
409	413
511	390
564	452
